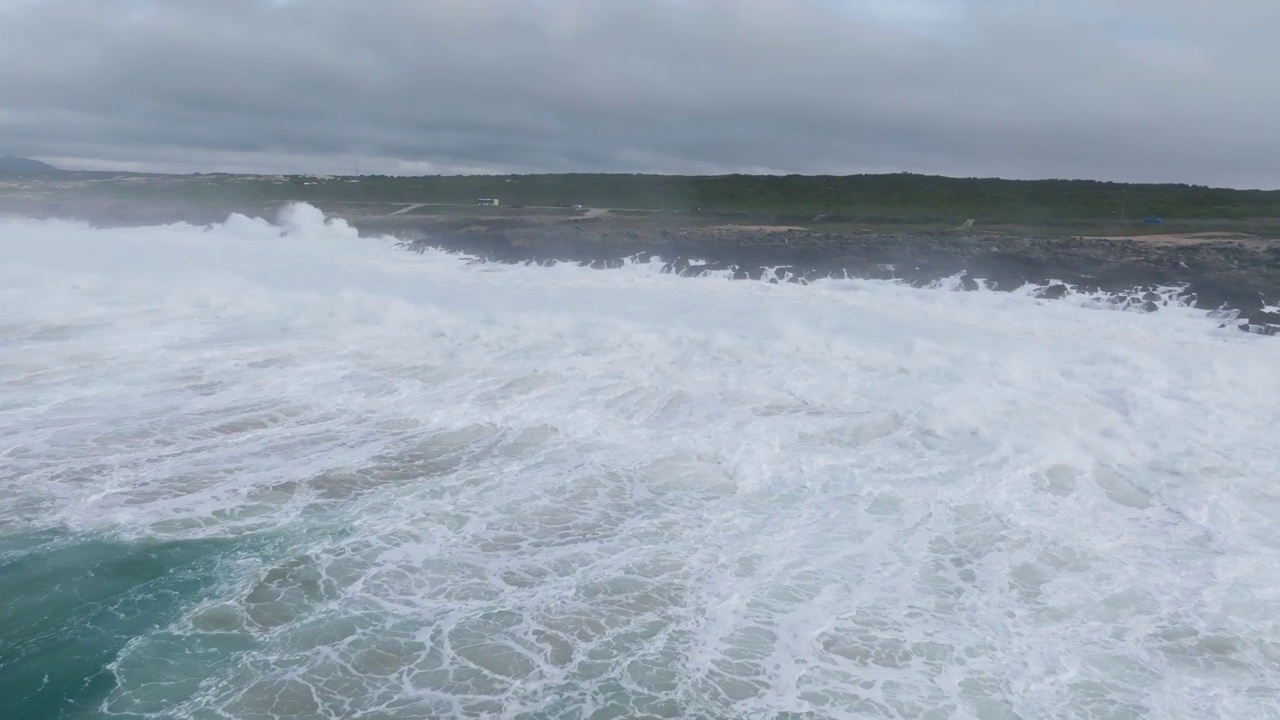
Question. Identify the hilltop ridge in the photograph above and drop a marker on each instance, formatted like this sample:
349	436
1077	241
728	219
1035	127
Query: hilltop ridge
25	166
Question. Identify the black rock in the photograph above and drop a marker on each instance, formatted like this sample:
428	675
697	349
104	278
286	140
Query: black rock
1055	291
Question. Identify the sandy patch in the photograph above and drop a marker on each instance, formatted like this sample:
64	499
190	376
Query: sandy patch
751	228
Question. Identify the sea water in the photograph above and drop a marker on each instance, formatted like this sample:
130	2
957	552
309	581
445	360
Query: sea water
263	470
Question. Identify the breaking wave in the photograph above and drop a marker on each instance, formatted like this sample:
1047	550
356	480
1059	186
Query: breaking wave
263	470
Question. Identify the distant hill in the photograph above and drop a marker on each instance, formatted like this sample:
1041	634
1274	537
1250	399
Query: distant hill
13	166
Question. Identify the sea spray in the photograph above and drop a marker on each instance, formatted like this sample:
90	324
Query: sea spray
326	479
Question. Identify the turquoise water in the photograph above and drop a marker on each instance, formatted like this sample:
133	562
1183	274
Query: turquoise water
261	471
69	605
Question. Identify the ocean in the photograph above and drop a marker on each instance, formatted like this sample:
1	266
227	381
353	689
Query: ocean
277	470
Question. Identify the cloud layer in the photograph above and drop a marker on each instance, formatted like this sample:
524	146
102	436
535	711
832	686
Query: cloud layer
1179	90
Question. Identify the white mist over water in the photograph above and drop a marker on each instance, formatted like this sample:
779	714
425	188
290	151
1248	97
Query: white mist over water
465	489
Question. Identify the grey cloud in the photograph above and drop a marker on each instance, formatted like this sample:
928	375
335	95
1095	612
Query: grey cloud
1170	91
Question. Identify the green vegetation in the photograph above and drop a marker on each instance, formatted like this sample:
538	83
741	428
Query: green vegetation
1064	206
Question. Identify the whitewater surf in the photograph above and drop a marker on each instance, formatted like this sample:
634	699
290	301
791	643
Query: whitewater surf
260	470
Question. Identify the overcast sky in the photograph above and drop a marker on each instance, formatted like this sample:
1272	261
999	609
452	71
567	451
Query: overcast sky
1142	90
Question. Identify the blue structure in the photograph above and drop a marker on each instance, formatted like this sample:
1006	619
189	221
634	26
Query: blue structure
1153	221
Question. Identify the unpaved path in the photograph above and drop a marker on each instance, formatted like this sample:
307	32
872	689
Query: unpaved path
1184	239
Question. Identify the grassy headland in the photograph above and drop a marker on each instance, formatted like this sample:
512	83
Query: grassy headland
849	203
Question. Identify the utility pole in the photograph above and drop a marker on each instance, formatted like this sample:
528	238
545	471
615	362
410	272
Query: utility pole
831	200
662	193
1124	202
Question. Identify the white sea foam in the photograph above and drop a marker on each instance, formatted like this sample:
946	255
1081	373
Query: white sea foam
561	492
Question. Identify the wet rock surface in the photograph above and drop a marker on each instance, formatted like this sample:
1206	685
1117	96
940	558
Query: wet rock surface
1240	278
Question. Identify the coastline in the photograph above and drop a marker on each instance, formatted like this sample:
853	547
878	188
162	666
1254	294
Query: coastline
1228	271
1233	273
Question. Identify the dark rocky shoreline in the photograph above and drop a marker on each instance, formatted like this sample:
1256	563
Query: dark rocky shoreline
1225	275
